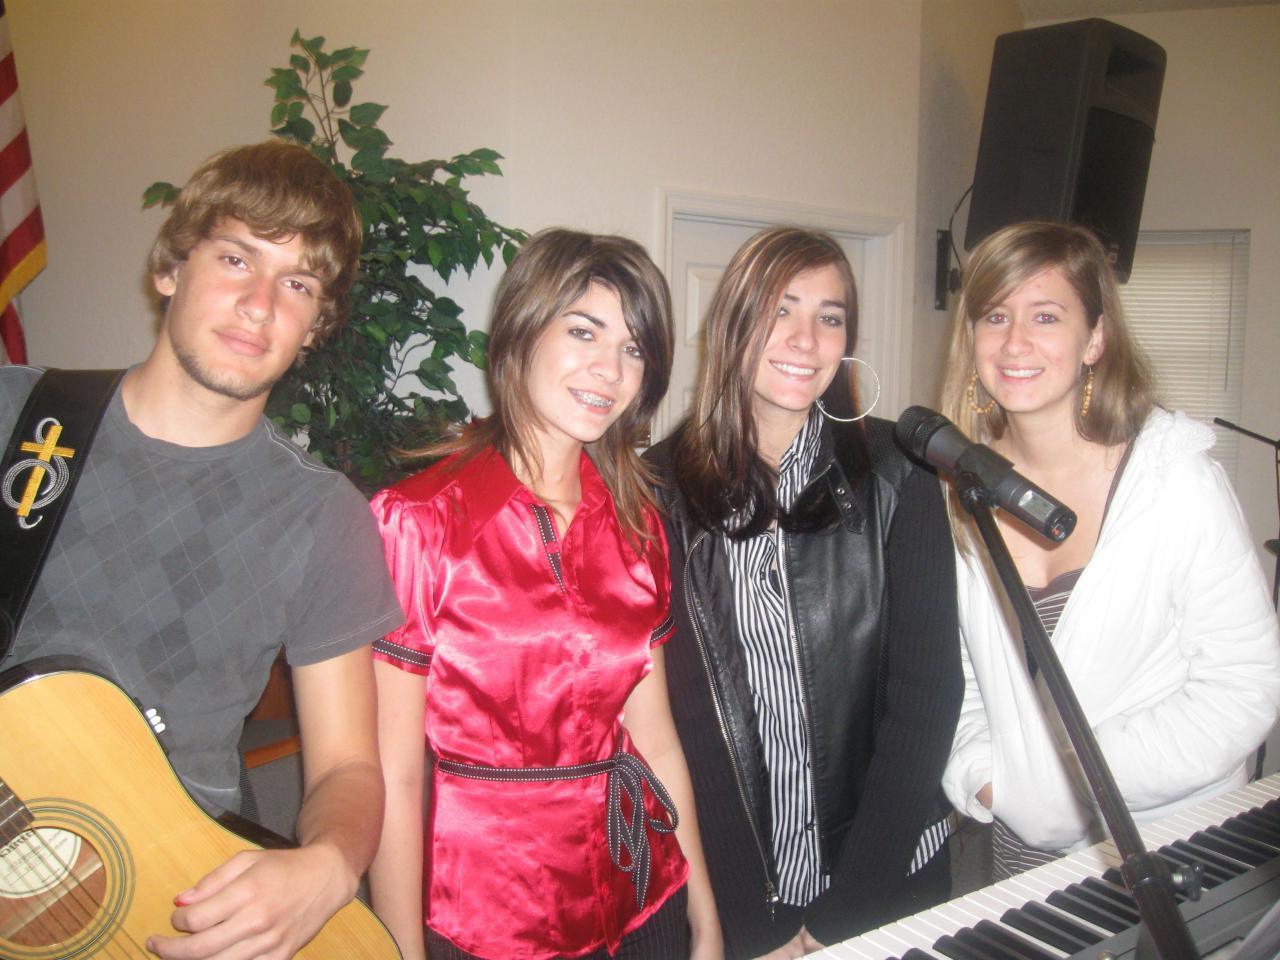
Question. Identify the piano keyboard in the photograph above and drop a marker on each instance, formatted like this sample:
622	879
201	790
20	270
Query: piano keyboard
1077	907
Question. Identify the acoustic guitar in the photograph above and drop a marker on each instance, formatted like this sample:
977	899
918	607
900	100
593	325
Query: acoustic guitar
97	833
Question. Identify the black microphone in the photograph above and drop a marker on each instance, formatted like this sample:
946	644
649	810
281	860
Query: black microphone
932	438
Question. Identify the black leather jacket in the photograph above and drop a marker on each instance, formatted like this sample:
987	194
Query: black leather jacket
868	573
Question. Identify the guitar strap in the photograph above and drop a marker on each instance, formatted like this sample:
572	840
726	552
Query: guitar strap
42	464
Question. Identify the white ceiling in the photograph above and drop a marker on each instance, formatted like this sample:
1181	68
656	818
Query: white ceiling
1072	9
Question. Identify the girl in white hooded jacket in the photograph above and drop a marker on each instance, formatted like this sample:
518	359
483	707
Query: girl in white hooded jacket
1156	605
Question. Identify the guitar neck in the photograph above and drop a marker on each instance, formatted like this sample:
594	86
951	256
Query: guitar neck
15	818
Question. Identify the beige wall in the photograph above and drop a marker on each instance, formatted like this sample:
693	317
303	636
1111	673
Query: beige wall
597	107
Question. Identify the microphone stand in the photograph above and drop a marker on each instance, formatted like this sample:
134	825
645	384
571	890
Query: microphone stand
1146	875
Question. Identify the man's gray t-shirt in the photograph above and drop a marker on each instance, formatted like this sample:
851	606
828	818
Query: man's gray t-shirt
180	571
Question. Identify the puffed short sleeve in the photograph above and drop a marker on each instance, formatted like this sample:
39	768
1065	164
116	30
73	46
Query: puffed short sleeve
408	535
665	624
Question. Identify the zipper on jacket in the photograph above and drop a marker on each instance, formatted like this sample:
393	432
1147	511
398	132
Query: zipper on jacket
804	699
770	888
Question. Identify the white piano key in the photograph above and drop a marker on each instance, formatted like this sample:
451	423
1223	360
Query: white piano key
997	899
962	914
901	938
926	926
859	948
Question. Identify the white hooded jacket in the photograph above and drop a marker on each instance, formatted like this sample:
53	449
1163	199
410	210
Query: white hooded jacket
1169	640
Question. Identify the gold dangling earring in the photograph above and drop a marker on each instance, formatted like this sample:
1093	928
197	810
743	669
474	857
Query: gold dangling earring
973	397
1087	397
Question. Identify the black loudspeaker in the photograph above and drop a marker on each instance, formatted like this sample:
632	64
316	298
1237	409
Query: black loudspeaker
1067	132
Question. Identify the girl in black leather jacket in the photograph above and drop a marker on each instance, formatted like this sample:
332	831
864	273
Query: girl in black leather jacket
815	675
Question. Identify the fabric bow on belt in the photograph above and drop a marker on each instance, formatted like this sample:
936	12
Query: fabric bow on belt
626	834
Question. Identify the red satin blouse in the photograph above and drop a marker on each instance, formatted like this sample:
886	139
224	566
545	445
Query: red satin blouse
531	646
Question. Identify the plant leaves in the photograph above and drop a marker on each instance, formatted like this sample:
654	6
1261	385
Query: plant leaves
312	45
418	224
365	114
448	307
361	138
370	163
159	192
287	84
301	129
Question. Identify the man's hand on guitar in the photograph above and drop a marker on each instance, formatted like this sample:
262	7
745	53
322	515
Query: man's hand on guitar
261	904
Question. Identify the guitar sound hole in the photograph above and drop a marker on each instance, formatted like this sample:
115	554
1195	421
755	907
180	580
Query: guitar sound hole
52	885
65	884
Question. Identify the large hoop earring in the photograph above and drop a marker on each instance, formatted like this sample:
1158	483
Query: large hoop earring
831	416
973	397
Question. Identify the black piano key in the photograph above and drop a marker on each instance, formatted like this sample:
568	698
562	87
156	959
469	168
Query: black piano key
1043	932
1264	850
1063	923
1086	911
1009	944
1247	831
1268	815
1126	915
1226	864
1119	896
1269	809
1268	827
916	954
979	945
1237	851
957	949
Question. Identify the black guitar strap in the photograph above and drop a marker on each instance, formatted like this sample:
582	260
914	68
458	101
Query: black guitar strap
42	464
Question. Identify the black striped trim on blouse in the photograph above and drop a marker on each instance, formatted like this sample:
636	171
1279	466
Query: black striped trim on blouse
662	629
548	531
398	651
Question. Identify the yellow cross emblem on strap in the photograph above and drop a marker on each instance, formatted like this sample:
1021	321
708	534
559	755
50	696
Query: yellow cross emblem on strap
45	451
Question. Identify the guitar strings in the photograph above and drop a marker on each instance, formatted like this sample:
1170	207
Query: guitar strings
56	881
40	915
65	880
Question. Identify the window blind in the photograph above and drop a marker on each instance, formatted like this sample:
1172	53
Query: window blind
1185	302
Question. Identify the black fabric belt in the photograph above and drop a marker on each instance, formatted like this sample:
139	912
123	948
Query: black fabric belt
627	775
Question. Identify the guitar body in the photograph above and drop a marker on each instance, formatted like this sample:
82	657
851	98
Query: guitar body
98	833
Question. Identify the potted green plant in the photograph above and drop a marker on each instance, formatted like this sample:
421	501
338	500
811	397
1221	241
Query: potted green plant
383	383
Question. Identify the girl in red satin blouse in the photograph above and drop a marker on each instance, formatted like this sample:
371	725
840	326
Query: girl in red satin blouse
529	673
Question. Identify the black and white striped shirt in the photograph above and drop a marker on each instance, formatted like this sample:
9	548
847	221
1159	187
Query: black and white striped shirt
762	609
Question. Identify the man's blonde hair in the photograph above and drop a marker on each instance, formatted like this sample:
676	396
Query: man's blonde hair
278	190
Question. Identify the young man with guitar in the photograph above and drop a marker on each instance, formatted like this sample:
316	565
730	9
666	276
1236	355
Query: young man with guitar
198	541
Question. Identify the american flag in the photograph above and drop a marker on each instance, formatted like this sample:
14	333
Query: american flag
22	248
